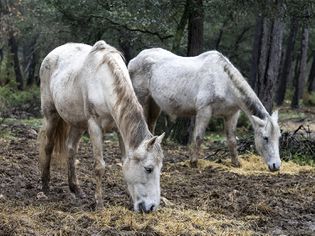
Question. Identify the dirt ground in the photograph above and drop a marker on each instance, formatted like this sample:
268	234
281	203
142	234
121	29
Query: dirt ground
213	199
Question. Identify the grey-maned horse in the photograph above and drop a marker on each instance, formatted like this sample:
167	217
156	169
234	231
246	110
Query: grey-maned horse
203	86
89	88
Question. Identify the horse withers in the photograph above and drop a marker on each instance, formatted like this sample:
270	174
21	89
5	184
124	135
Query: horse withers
89	88
203	86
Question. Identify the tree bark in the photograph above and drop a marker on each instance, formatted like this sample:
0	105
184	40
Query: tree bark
33	63
256	50
303	65
267	97
311	78
295	97
195	28
181	28
184	126
285	72
300	77
16	63
269	58
218	40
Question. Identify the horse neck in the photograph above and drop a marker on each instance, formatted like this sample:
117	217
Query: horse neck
127	111
132	126
251	105
244	95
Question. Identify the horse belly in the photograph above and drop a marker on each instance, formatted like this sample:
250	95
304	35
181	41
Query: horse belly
175	104
174	96
69	102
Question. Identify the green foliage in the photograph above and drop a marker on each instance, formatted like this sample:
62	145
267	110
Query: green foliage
10	99
309	99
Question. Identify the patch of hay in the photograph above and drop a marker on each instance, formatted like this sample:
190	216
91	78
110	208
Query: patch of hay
252	165
166	221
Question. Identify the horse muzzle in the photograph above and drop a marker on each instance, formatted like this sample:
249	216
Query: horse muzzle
274	166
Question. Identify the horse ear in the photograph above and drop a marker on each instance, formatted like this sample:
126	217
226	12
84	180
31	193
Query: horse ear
259	122
155	139
159	139
275	116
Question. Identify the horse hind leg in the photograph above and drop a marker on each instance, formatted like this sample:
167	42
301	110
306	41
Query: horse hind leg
72	146
96	136
202	119
47	140
230	123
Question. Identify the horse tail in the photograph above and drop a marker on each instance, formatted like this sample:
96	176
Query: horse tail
59	154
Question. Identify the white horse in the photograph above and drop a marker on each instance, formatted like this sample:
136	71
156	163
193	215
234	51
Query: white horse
203	86
89	88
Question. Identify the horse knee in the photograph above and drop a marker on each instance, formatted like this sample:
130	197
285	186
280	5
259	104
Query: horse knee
71	150
198	140
49	149
99	167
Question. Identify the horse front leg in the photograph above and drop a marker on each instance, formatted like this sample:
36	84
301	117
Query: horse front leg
202	119
72	145
230	123
96	136
153	114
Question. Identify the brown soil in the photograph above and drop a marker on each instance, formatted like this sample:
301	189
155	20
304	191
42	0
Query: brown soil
212	199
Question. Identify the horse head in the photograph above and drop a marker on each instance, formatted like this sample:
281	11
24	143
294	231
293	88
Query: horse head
267	134
141	169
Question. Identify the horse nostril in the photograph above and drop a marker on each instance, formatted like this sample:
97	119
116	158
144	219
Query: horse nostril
273	167
141	207
152	207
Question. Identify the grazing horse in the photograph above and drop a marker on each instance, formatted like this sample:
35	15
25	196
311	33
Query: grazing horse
203	86
89	88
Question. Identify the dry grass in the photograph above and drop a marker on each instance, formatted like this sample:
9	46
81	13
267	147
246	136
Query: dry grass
166	221
253	165
214	199
40	218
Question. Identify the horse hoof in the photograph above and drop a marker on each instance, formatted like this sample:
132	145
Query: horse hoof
193	164
80	194
77	192
99	206
45	189
236	164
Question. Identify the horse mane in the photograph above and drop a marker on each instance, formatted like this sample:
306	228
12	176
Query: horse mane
245	93
128	112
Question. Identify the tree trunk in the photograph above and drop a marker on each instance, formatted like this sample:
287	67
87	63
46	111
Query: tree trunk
16	63
125	45
285	72
311	78
256	50
195	28
273	64
295	97
263	57
269	58
33	63
304	49
183	127
300	77
181	28
218	40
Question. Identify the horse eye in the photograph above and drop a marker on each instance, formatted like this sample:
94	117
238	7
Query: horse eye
148	169
266	139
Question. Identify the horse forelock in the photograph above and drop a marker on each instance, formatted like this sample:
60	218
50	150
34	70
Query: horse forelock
273	127
128	112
